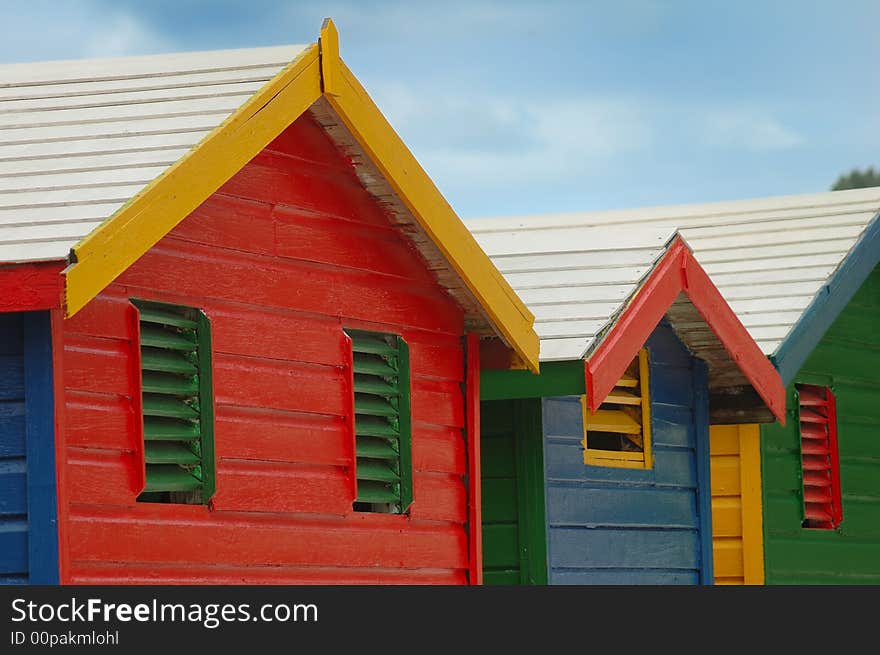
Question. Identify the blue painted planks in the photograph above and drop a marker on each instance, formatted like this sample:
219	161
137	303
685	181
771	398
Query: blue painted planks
576	548
40	445
624	577
28	523
13	547
628	526
621	505
704	491
13	466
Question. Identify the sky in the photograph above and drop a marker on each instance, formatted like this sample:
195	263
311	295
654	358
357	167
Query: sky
521	107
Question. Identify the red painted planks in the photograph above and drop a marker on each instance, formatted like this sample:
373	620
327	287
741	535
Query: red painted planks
99	421
343	243
97	365
105	477
438	449
30	287
158	573
273	435
234	223
278	284
472	431
193	534
268	282
274	487
439	497
274	384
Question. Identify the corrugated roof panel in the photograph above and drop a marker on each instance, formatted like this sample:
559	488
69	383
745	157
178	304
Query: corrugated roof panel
769	257
80	138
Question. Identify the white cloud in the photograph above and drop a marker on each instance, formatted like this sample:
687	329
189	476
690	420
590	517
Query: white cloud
122	34
491	142
749	128
54	30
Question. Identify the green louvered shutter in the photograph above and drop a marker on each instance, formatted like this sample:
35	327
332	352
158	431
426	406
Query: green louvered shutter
382	422
178	408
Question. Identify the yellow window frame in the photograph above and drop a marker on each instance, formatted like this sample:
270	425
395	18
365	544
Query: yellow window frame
617	421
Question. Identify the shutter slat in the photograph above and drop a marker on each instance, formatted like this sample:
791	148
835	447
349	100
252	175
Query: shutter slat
817	478
157	337
168	407
812	416
376	492
811	396
374	345
817	511
164	383
612	420
170	477
373	405
165	317
627	381
372	365
164	429
169	453
372	426
623	397
375	385
370	469
164	361
811	447
817	494
815	462
375	449
814	431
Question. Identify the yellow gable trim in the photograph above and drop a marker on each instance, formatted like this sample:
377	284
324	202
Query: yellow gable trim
436	217
118	242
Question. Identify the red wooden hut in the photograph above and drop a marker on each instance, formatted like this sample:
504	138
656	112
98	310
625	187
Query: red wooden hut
263	323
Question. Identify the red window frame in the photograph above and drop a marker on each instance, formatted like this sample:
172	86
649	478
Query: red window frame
820	459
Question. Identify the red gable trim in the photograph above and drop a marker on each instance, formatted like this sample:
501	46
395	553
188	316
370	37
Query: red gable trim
679	271
30	287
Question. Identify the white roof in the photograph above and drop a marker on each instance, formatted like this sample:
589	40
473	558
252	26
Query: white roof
574	283
80	138
769	257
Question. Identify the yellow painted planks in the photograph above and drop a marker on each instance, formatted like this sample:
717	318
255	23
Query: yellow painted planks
737	518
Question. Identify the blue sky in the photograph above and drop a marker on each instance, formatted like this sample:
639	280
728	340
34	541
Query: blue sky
523	106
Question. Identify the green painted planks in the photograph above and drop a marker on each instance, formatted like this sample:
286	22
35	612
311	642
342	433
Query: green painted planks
848	360
514	538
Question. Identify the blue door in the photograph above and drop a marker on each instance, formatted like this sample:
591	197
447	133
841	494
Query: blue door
28	525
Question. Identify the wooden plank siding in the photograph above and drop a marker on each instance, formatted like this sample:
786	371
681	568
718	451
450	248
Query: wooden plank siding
13	464
514	524
283	256
28	516
737	524
629	526
848	360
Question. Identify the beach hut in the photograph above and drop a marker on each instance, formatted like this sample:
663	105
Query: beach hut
239	329
596	471
798	503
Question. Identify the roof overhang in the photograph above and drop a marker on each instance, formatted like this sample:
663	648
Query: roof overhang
831	299
317	81
740	375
